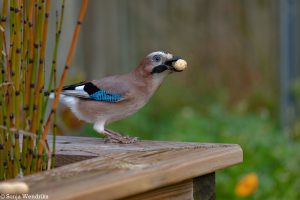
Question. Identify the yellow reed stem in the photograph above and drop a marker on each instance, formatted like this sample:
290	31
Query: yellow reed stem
17	67
40	83
30	60
39	15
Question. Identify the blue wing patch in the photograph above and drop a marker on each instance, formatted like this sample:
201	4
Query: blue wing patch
103	95
91	91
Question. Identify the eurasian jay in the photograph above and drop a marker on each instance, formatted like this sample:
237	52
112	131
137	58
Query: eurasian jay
116	97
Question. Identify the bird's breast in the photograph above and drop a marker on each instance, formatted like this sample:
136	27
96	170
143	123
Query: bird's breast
126	109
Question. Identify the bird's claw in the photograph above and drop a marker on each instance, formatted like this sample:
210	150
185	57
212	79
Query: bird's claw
115	137
121	140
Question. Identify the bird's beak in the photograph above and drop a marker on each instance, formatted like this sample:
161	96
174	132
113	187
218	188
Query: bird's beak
170	63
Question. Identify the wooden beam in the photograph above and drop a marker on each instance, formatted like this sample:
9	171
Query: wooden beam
120	171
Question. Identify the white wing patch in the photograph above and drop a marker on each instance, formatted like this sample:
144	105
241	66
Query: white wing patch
76	93
80	88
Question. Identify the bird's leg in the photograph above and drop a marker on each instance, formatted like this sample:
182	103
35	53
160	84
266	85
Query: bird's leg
115	137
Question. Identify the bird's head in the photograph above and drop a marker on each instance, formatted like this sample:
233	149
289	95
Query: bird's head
159	64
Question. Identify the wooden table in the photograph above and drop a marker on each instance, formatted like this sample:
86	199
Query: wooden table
145	170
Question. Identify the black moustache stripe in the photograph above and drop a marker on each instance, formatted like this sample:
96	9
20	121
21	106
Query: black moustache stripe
159	69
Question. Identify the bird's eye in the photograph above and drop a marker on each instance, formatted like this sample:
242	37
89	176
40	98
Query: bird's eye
156	58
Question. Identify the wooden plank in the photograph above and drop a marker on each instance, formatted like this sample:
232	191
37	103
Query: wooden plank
204	187
88	146
199	188
61	160
120	171
178	191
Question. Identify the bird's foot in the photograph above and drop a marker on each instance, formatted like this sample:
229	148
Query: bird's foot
114	137
121	140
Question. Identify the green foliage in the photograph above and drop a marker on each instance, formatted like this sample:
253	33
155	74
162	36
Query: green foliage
267	151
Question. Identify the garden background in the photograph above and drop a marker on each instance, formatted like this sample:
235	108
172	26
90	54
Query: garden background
235	89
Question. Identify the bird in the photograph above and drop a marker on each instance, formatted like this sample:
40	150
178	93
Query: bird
116	97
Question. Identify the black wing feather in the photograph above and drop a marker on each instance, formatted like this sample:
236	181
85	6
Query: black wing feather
89	87
73	86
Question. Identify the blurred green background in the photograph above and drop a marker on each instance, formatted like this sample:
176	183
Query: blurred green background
240	86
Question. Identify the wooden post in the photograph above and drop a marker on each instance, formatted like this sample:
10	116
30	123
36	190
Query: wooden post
204	187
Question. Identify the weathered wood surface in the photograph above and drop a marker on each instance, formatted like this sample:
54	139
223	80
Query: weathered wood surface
199	188
119	171
88	146
177	191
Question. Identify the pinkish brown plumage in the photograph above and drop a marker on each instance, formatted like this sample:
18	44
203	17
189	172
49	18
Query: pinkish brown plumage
116	97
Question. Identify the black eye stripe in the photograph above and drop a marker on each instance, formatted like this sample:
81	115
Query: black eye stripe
159	69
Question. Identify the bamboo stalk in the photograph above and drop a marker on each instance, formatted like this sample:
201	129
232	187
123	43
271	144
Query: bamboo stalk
41	74
2	142
10	97
4	152
39	19
54	127
2	100
63	77
22	64
3	22
24	45
30	47
33	108
52	80
54	63
8	140
2	177
2	138
37	117
40	85
17	66
2	40
30	60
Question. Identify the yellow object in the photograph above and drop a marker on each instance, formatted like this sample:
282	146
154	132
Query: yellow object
14	188
180	65
247	185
